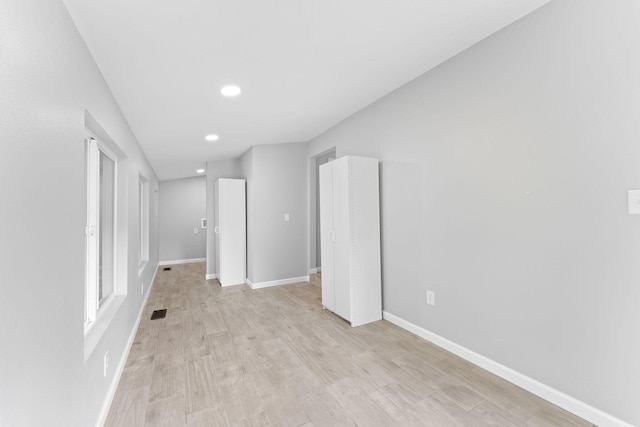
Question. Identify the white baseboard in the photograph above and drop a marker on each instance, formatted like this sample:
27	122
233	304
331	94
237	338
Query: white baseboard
260	285
550	394
233	284
104	412
182	261
211	276
315	270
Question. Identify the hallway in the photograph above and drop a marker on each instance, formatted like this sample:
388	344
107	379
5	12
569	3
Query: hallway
273	356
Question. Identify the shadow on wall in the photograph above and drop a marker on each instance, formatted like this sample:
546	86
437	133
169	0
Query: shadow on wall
400	222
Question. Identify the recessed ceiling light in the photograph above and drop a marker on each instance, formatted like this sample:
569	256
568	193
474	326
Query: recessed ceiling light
200	171
230	90
212	137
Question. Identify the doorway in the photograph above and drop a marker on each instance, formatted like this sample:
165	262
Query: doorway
316	162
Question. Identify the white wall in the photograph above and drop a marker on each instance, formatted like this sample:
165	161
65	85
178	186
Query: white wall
216	170
182	206
504	178
276	184
47	80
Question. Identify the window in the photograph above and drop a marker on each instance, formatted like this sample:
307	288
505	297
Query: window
143	222
100	228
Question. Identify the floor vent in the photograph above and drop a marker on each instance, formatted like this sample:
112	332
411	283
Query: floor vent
166	269
159	314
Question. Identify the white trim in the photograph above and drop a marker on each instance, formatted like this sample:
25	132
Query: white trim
571	404
211	276
315	270
233	284
182	261
91	232
260	285
106	406
94	331
143	221
142	266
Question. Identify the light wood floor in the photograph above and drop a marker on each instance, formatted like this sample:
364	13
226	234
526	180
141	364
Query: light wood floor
241	357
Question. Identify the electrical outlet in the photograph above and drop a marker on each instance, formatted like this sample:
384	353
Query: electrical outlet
431	298
106	364
633	200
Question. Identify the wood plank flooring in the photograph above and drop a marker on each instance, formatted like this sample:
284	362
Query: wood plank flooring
240	357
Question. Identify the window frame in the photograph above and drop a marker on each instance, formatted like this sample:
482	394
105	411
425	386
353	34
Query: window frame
143	222
93	303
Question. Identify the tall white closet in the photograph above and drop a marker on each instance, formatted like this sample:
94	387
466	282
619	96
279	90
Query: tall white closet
350	239
230	227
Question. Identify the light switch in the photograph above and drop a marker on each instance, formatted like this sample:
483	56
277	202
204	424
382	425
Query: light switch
195	231
286	217
431	298
633	199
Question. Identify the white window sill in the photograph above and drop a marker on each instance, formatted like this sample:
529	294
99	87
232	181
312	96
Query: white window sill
94	331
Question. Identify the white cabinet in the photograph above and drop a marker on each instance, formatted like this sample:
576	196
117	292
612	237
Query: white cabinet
350	239
230	231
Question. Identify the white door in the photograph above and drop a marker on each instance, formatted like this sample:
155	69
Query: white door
231	231
326	235
341	246
216	226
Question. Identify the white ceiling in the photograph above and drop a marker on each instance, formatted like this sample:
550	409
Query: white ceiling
303	65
